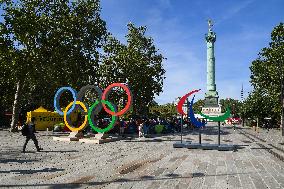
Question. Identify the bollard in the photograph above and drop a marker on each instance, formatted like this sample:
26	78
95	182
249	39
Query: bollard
199	135
219	133
257	125
46	133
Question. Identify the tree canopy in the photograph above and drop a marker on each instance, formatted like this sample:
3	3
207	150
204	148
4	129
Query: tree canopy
136	63
46	45
266	76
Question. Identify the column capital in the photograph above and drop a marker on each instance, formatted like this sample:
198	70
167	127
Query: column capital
210	37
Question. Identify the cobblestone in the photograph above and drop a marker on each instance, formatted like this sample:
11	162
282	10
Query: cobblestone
145	163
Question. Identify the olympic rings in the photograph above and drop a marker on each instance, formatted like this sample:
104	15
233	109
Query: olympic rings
83	90
129	98
86	117
57	96
100	103
113	117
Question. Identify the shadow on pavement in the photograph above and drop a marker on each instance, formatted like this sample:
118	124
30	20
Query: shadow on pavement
30	171
212	130
60	151
18	160
260	148
123	180
153	140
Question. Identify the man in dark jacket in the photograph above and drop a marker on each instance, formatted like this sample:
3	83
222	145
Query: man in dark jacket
31	135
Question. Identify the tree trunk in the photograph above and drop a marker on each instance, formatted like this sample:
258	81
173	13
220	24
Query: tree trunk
282	103
16	105
282	115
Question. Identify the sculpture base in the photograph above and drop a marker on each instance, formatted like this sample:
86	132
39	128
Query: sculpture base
101	136
205	146
76	134
212	111
181	145
96	139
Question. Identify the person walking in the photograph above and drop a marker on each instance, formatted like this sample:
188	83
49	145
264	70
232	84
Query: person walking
122	125
146	127
31	135
140	130
267	125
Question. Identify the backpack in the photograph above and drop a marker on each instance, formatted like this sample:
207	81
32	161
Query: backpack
25	130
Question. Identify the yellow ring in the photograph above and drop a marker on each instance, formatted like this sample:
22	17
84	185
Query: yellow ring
86	116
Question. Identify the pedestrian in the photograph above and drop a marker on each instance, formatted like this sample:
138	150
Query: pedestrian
267	125
31	135
140	130
146	127
234	123
122	127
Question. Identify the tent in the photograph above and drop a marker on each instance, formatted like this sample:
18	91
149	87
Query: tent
44	119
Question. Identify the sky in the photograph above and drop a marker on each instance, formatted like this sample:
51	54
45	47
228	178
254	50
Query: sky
178	27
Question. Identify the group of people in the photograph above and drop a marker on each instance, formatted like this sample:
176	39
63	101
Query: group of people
145	126
142	126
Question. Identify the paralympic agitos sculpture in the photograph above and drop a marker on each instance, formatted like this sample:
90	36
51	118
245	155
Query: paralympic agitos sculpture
194	121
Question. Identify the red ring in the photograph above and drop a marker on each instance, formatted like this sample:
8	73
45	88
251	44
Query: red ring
129	99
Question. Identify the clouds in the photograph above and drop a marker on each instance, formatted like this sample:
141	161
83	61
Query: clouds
178	29
234	10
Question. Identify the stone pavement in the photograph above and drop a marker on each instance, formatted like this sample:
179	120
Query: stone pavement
145	163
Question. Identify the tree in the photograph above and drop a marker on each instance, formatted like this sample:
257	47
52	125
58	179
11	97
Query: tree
47	45
197	106
266	75
258	105
168	110
136	63
234	105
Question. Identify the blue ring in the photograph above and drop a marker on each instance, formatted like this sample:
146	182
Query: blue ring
57	96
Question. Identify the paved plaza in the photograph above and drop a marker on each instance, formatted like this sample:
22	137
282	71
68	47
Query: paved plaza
146	163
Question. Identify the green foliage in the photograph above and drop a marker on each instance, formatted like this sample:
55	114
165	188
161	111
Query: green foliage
258	105
197	106
234	105
165	110
51	45
136	63
47	45
159	128
266	75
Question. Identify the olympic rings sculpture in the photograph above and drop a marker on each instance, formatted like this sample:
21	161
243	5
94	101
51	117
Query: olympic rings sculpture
100	103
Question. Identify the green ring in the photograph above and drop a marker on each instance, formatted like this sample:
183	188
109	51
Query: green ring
113	117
